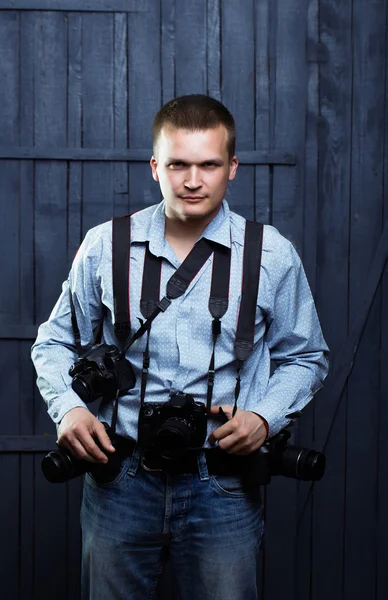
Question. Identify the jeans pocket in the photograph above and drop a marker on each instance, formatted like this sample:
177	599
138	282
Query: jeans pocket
106	475
229	485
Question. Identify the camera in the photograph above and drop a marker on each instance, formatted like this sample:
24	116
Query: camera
174	426
100	371
277	457
59	465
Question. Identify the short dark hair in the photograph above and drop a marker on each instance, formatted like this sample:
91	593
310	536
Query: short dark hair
195	112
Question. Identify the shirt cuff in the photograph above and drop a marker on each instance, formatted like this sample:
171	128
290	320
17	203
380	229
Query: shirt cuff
63	403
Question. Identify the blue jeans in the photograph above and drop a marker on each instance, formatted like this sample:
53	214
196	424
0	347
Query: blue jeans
211	527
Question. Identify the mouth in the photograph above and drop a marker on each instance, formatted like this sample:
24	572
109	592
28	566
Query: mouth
192	198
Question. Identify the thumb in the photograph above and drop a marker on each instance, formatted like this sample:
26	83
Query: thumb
103	437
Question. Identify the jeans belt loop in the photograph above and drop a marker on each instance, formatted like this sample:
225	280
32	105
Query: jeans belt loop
134	461
202	467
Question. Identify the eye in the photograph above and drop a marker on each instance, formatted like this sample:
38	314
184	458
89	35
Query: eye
209	165
177	164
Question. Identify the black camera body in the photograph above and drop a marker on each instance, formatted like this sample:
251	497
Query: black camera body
59	465
99	372
277	457
174	426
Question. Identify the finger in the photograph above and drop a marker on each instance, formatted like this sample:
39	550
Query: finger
229	442
92	449
104	438
242	447
77	450
221	432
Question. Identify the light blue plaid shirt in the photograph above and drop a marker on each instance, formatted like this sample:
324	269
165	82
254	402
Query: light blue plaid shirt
287	329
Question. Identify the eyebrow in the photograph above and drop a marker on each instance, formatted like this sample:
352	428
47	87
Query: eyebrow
217	161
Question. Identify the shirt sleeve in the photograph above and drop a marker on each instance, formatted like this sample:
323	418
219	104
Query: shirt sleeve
54	350
295	341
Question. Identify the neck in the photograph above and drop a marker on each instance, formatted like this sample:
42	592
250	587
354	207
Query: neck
182	235
189	230
186	229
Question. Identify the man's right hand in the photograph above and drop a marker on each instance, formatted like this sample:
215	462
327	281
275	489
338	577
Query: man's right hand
77	433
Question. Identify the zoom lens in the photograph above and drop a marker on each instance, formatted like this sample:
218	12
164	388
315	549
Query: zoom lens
302	463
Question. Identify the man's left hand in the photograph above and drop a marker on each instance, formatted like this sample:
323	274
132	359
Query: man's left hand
242	434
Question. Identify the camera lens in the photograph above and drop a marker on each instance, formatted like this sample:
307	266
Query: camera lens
56	466
81	387
173	437
302	463
92	384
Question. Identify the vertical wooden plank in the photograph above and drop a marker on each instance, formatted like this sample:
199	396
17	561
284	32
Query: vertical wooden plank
9	69
238	94
27	375
50	75
167	49
74	133
213	48
190	58
262	110
382	463
368	43
98	119
9	350
289	120
310	204
51	177
287	128
120	170
332	284
27	300
145	95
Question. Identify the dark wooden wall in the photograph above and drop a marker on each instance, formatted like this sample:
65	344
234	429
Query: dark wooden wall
80	82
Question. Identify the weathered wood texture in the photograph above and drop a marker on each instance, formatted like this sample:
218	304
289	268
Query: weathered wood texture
79	85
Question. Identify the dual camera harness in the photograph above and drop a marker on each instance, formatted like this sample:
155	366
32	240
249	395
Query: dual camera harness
151	304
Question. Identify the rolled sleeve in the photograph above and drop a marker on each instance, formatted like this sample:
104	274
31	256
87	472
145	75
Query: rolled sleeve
296	345
54	350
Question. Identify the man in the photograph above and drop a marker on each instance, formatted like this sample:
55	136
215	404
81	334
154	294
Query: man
209	521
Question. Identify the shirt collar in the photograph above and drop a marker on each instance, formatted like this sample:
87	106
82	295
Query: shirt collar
149	226
218	229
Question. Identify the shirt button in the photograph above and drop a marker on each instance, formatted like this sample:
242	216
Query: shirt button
55	415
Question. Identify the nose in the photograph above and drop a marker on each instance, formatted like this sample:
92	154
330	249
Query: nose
193	181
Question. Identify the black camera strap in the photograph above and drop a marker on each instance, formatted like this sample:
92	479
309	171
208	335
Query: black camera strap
148	304
244	341
74	324
218	305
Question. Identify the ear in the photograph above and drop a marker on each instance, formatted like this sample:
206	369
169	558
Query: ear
233	168
154	165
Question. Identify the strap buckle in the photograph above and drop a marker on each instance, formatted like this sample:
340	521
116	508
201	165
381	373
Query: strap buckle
143	459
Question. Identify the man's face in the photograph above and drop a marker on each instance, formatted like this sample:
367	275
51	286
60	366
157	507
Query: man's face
193	169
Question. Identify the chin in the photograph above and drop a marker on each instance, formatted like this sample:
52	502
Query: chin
199	210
